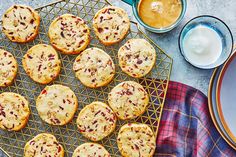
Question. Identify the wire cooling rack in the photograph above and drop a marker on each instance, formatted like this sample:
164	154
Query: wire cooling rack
155	83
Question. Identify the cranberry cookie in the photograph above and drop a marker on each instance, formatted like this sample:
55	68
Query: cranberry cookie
56	104
43	145
20	23
128	100
111	24
90	149
94	68
137	57
69	34
14	111
41	63
96	121
136	140
8	66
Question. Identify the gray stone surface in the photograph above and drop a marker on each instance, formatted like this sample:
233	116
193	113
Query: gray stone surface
182	71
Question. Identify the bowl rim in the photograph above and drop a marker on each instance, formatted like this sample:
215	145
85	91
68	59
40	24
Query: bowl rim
199	66
164	29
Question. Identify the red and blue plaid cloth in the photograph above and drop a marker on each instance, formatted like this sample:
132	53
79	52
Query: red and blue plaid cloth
186	128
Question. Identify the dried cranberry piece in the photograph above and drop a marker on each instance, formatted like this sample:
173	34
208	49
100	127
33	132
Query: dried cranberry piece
95	122
57	120
31	21
32	142
139	61
44	92
105	128
29	10
100	30
97	112
68	101
5	54
81	42
22	23
39	68
110	9
51	57
93	80
2	113
59	149
62	34
30	57
128	55
61	108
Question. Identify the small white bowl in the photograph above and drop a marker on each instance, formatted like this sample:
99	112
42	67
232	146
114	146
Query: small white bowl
220	27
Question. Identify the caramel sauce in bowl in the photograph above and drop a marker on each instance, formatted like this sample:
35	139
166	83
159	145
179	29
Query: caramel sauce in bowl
159	16
159	13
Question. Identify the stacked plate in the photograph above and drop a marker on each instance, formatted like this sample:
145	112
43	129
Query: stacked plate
222	100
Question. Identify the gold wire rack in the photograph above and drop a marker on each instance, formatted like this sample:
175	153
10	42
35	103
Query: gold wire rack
156	83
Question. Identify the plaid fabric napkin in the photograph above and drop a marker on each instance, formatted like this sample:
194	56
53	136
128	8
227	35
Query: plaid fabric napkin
186	128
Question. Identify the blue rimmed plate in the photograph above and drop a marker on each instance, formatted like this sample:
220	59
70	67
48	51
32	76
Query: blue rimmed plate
213	108
225	96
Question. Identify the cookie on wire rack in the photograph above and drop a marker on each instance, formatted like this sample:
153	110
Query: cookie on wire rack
137	57
43	145
94	68
41	63
14	111
69	34
8	68
56	104
136	140
96	121
20	23
128	100
90	150
111	24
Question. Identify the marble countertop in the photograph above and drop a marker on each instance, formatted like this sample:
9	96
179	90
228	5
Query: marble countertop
182	71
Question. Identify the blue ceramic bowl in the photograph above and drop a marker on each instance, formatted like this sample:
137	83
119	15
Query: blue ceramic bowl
135	3
220	27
